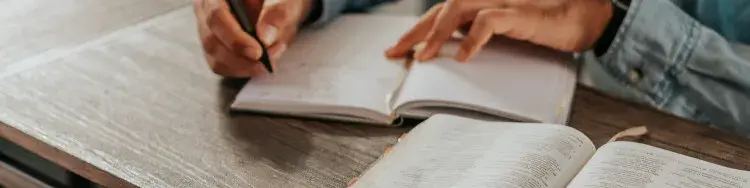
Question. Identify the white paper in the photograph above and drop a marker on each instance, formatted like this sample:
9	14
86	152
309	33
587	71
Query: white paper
451	151
633	165
515	78
342	64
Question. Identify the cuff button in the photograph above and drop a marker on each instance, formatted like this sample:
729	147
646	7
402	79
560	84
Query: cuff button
634	75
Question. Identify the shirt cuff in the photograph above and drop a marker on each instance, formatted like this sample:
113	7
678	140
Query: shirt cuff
655	39
323	11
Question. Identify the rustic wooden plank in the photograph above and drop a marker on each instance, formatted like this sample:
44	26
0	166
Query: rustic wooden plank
30	27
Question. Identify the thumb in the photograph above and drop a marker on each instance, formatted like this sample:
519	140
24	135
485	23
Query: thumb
272	18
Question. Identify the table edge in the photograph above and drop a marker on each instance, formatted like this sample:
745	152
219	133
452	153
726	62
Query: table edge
61	158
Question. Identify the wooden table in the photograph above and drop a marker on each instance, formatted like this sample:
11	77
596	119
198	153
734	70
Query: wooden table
126	100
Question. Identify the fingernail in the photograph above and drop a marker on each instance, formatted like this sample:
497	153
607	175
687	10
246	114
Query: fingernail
422	56
420	46
389	51
422	50
269	36
462	53
460	59
278	53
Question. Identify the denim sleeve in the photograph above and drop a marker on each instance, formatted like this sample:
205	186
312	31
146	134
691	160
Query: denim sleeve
681	66
330	9
729	18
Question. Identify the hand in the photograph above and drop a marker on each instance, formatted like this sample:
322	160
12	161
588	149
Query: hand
566	25
230	51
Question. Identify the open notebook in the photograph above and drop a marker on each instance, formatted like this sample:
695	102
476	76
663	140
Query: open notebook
340	72
452	151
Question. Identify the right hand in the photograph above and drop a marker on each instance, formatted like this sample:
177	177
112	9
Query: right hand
565	25
231	52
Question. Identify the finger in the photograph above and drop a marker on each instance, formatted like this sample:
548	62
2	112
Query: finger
283	37
275	16
227	63
258	69
416	34
275	53
203	31
198	9
210	44
268	34
455	14
487	23
446	22
222	23
253	8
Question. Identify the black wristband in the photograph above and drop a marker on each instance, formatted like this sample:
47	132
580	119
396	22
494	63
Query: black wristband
618	15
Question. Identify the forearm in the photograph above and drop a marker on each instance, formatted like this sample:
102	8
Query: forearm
682	66
729	18
323	11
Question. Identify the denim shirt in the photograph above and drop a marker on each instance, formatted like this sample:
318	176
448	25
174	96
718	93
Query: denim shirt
690	58
687	57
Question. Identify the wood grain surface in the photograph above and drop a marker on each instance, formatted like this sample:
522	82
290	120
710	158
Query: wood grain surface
137	106
31	27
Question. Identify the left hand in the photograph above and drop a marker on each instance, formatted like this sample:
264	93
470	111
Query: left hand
566	25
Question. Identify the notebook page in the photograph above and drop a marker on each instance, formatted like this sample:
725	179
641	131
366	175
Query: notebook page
512	77
341	64
452	151
635	165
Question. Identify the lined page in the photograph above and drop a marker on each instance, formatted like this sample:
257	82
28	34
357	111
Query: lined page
512	77
633	165
342	64
452	151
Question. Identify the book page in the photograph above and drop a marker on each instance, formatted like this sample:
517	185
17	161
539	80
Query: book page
525	81
452	151
629	165
341	64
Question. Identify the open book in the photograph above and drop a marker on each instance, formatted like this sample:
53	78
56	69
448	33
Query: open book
340	72
452	151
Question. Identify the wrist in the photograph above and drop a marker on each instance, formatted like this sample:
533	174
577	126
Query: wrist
619	9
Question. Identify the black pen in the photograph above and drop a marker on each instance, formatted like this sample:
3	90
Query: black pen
247	22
